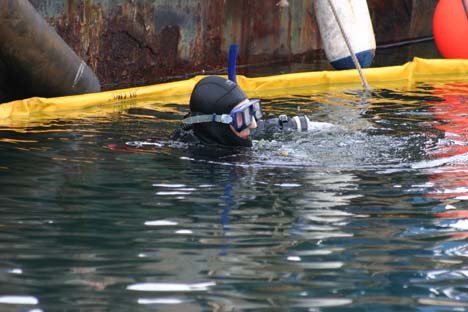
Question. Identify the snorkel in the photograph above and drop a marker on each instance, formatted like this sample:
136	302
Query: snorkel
232	63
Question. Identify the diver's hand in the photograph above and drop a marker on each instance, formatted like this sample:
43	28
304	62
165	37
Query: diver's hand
297	123
301	123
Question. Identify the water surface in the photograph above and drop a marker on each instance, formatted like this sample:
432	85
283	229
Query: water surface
369	214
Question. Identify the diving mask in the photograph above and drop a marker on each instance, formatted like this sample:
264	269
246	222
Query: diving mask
239	118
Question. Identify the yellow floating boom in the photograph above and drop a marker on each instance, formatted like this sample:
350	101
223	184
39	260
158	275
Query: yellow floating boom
419	70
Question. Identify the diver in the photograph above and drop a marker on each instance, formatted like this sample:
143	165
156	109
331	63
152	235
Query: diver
222	115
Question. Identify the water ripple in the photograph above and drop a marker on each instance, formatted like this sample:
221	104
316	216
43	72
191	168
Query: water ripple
171	287
27	300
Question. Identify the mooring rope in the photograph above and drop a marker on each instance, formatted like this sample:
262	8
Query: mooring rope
348	44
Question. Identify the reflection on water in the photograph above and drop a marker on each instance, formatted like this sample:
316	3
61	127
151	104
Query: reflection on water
366	215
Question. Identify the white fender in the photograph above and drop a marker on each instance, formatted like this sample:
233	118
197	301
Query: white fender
355	18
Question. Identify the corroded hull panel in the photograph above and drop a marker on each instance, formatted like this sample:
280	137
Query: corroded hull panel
137	42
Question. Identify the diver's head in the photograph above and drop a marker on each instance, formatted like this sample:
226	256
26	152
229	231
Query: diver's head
221	113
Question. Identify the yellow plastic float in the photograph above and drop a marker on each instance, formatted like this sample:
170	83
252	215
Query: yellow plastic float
36	109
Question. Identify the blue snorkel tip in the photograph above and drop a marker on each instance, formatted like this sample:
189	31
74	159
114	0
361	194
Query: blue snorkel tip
232	63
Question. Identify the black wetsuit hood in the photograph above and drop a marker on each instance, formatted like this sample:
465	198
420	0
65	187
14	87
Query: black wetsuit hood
217	95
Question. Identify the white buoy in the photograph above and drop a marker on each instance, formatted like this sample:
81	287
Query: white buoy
355	19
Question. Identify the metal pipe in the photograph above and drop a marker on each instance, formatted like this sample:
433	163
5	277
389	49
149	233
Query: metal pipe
37	58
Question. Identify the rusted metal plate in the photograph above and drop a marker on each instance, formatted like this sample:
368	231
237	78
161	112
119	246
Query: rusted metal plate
138	42
397	20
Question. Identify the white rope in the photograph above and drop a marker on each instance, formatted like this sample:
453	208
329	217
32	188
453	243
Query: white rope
348	44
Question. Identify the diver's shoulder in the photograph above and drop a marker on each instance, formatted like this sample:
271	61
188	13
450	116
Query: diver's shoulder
184	135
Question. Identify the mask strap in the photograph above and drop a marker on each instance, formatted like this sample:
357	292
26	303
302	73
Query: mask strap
225	119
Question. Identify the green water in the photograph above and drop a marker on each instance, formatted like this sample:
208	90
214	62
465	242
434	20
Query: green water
354	217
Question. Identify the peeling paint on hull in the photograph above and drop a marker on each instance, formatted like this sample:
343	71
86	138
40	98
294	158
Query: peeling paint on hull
139	42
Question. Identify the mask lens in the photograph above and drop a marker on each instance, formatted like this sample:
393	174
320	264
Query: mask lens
239	121
242	116
257	110
247	117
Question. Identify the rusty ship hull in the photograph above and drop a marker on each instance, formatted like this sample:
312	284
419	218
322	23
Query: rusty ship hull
141	42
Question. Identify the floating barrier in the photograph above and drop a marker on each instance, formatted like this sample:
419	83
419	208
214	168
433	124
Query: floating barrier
354	16
36	109
37	58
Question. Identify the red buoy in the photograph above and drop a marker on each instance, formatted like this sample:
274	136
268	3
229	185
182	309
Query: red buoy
450	27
